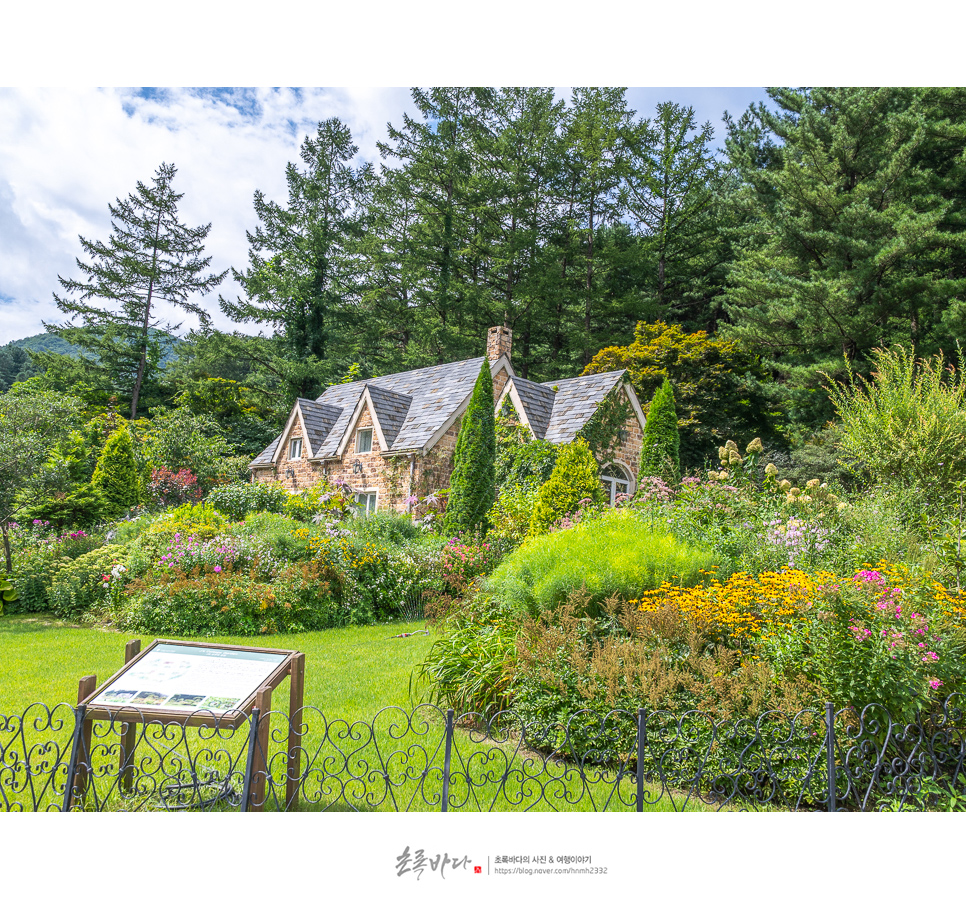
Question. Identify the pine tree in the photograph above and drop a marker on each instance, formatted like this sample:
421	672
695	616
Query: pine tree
661	444
149	257
116	474
472	485
301	274
575	477
858	238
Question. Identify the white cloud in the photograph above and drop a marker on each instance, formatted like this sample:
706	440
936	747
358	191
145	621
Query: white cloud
66	153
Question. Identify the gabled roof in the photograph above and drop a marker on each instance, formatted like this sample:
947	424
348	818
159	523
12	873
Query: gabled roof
266	458
318	419
391	410
537	400
413	409
575	402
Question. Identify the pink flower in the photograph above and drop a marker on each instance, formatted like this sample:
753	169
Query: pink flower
217	568
935	684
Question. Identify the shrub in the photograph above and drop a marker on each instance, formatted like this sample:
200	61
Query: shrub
575	477
200	520
8	593
908	423
470	666
85	582
283	536
617	553
890	637
509	519
116	475
661	444
472	485
168	490
174	603
239	499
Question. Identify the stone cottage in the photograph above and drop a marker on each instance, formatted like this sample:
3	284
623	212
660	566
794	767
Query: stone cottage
392	437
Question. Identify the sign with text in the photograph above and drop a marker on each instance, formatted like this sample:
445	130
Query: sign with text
184	677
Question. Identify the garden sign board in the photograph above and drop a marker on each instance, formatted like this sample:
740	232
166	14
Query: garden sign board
183	678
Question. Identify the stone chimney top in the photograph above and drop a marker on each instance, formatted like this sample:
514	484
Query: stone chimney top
499	340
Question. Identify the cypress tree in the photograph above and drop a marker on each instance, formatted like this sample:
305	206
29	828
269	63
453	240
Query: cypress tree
661	445
472	486
116	474
575	476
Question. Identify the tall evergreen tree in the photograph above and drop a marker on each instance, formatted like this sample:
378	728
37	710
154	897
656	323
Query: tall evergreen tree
857	238
596	130
302	274
473	483
437	152
149	257
661	444
669	193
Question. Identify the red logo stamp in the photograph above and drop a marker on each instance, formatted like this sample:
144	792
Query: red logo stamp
478	870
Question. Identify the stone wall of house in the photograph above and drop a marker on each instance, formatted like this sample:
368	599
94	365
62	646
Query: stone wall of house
628	451
499	382
294	475
387	476
435	469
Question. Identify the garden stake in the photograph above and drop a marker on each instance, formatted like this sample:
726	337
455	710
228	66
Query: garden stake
830	747
447	755
252	740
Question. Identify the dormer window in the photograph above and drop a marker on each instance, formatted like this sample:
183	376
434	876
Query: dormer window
295	449
364	441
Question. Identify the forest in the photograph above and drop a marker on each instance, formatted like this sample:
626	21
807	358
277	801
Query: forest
758	266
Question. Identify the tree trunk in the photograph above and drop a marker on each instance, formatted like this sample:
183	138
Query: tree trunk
8	555
143	362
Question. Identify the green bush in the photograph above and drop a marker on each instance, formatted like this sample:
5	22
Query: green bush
661	444
240	499
85	582
116	474
299	598
283	536
200	520
509	518
617	553
908	423
385	527
575	479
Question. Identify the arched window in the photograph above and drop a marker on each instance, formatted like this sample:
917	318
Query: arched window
615	481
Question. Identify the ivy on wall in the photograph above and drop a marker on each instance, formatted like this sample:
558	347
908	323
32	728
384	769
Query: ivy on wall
603	431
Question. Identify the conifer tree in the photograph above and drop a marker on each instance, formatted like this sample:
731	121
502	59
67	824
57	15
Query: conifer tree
575	477
116	474
472	485
149	257
661	445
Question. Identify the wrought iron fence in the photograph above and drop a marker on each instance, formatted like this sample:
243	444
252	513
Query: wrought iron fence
431	759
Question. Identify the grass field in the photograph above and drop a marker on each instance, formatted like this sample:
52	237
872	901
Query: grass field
350	673
389	763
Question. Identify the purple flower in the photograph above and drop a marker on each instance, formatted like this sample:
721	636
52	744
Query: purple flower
217	568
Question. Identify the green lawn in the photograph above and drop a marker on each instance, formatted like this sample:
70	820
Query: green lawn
351	674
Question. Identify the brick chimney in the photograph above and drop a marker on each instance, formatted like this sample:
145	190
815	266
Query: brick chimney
499	340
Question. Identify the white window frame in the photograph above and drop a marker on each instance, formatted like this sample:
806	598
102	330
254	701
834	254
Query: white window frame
295	449
612	483
367	500
359	435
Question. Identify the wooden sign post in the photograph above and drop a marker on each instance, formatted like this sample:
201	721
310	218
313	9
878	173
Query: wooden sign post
161	684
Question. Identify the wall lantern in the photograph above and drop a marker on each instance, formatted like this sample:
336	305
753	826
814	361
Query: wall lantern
356	466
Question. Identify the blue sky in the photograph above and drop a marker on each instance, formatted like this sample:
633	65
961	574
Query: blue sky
65	153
